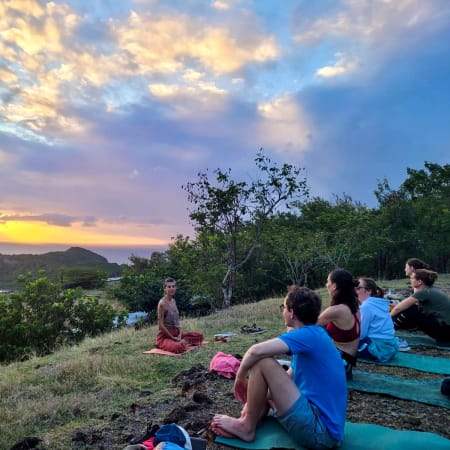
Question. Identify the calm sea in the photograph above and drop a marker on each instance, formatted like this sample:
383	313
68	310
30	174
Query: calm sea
119	255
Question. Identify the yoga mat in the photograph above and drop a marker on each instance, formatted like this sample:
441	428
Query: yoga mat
158	351
423	391
423	363
422	339
357	436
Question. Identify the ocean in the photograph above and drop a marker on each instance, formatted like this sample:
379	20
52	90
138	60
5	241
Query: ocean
119	255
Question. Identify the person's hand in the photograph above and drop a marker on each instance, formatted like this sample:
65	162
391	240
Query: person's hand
240	389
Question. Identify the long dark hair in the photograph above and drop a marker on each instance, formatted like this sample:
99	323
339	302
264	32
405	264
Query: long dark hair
417	263
345	289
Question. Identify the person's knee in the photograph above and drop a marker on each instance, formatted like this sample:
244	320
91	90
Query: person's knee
265	365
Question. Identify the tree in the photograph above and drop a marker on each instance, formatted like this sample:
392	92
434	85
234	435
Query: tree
82	276
336	231
231	211
415	219
291	250
428	192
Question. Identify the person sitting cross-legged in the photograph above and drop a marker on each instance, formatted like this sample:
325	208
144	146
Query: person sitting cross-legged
310	399
170	337
377	341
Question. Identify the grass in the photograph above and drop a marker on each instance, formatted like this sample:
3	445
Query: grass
52	396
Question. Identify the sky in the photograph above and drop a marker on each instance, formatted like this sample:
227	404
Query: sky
107	108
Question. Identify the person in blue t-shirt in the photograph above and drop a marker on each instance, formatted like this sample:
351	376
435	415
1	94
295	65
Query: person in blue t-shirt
310	399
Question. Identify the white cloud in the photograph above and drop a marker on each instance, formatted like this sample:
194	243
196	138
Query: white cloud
221	5
341	67
284	126
375	21
163	44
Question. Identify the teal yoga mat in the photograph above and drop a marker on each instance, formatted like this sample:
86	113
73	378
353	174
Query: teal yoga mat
423	363
423	391
357	436
422	339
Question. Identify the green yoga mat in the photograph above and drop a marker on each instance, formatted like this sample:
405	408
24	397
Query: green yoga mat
423	363
423	391
357	436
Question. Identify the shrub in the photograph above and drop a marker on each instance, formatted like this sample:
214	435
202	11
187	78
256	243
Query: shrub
42	316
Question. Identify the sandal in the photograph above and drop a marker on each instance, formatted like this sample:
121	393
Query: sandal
252	330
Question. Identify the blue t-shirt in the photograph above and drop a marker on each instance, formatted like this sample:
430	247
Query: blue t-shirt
318	372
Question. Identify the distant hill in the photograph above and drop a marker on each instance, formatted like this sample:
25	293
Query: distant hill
11	266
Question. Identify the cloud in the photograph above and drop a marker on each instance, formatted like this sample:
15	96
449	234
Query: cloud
60	220
285	126
341	67
162	44
375	21
221	5
107	109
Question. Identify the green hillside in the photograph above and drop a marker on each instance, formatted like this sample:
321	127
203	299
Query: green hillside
11	266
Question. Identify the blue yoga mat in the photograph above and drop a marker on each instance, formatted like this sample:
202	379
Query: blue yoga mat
423	363
357	436
423	391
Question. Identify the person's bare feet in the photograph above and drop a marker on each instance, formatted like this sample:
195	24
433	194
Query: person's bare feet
226	426
219	432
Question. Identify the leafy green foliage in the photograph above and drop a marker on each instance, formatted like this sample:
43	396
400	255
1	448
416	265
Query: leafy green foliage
82	276
143	292
414	220
140	293
41	316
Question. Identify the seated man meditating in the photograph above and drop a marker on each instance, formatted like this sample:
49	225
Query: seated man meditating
310	399
170	337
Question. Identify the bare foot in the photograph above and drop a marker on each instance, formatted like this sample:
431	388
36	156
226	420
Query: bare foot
227	426
219	432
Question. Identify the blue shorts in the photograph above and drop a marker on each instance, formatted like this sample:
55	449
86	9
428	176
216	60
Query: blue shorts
303	423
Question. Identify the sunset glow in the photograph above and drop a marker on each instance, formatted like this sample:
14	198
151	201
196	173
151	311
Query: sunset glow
39	233
108	108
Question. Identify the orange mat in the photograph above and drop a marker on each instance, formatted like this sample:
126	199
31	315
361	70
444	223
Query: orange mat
158	351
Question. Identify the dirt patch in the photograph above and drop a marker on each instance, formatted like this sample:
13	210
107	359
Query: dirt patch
198	394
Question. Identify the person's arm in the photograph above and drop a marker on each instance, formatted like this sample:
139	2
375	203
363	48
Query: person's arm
161	326
404	305
256	352
366	318
327	316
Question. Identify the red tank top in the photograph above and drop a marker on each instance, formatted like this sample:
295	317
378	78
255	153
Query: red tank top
344	336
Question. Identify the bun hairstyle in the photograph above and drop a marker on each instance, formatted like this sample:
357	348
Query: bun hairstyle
370	285
427	276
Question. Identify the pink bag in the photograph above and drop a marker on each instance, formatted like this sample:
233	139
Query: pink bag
224	364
